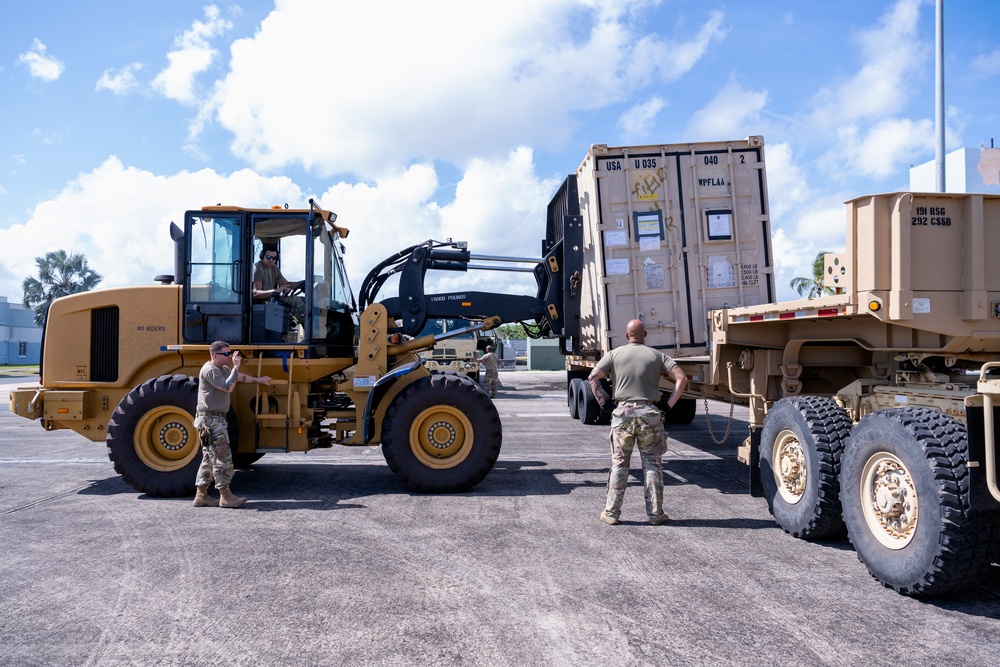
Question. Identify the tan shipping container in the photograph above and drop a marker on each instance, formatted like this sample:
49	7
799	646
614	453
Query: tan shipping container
669	232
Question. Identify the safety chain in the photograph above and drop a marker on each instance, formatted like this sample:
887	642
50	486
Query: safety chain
729	424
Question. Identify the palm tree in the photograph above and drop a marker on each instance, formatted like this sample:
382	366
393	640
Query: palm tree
59	274
813	287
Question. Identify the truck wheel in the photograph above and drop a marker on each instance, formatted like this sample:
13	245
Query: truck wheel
587	407
151	436
905	492
800	449
441	434
683	411
573	396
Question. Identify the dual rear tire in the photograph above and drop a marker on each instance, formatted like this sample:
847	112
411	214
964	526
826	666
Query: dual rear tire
898	483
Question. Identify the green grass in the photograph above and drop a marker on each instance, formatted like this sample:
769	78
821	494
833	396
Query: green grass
15	369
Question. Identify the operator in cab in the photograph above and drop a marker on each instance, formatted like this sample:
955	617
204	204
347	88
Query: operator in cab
268	281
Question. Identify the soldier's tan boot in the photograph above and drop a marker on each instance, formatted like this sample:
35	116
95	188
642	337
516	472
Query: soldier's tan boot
202	499
230	499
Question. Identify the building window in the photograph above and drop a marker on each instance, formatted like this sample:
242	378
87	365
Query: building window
22	349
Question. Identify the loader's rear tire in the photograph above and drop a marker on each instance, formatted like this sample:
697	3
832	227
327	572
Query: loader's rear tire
905	493
683	411
573	396
151	436
441	434
800	449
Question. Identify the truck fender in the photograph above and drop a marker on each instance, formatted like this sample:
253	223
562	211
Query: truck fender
379	390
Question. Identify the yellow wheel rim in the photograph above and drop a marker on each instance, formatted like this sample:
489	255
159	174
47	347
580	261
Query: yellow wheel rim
441	437
788	462
165	438
889	500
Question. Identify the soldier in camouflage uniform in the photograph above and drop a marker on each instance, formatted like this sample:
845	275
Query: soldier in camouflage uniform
492	365
215	383
635	370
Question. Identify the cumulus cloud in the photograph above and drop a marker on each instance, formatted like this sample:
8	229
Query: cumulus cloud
192	55
637	122
893	55
987	64
655	58
499	209
881	150
733	112
41	66
120	82
127	243
474	81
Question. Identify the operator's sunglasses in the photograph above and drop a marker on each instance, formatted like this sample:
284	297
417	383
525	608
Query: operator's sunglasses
274	257
225	354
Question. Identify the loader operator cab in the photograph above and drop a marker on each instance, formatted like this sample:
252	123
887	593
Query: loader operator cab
217	253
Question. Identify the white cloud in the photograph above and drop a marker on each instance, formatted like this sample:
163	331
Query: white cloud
787	183
499	209
987	64
881	150
41	66
127	243
655	58
193	55
893	55
733	112
119	82
637	121
474	80
817	228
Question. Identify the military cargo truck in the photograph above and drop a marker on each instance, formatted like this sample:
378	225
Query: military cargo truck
457	354
872	411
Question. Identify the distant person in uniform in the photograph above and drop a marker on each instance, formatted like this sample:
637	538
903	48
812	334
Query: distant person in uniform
635	370
268	281
216	382
492	365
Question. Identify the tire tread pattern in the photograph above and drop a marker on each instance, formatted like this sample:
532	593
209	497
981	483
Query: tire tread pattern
451	389
179	390
962	550
829	428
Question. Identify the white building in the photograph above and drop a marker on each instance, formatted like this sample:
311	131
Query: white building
967	170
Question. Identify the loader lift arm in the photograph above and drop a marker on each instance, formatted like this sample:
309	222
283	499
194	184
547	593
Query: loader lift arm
413	307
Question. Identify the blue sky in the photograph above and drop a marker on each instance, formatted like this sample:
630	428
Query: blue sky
454	119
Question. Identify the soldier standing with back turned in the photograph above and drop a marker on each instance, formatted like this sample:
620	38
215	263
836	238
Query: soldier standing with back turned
635	370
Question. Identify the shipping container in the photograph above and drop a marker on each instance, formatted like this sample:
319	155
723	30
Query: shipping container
669	233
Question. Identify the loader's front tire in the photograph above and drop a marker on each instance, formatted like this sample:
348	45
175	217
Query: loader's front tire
441	434
151	436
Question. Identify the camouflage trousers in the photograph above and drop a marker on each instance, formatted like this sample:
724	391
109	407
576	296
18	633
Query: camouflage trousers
636	424
490	383
217	457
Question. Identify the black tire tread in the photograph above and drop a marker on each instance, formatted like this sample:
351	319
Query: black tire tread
830	427
963	547
454	390
121	450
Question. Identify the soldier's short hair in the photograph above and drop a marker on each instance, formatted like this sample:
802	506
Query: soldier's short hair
217	346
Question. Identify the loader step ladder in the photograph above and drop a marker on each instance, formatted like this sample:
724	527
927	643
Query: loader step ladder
263	416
